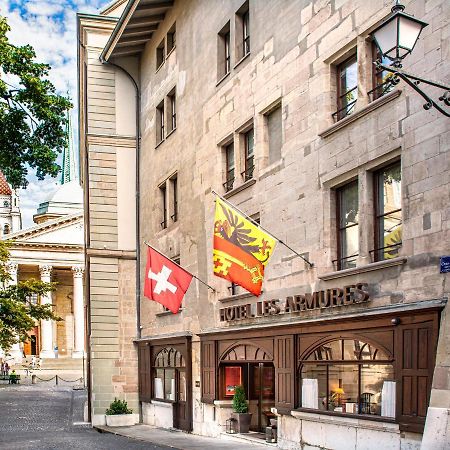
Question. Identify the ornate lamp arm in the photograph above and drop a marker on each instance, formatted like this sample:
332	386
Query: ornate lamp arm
414	81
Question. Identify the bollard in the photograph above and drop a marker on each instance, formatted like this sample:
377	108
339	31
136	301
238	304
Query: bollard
33	379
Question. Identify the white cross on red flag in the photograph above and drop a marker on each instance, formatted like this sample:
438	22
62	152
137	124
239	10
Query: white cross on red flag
165	281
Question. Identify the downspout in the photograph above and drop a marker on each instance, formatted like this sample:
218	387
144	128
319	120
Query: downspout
138	147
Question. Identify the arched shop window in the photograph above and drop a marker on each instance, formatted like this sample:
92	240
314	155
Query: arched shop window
348	376
167	361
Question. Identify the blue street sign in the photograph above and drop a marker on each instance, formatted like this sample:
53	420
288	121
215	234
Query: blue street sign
445	264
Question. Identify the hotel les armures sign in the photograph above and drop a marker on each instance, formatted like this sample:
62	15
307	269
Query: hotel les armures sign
329	298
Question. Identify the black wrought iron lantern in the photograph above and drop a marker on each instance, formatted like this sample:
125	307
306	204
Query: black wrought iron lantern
271	434
396	37
231	426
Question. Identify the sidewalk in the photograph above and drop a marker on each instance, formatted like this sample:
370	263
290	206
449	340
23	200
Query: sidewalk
185	441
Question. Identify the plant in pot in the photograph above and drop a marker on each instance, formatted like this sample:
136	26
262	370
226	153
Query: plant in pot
240	410
118	414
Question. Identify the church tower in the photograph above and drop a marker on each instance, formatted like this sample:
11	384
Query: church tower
10	216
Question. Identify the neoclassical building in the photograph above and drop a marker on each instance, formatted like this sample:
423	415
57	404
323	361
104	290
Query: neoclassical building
52	250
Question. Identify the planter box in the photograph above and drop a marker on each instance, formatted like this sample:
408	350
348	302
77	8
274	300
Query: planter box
120	420
243	421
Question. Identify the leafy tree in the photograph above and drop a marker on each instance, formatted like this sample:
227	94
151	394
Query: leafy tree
32	115
17	311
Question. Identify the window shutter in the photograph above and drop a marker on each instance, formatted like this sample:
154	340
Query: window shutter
284	374
145	372
208	371
415	357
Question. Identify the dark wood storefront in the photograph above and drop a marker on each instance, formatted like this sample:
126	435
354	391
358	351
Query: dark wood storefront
165	375
402	344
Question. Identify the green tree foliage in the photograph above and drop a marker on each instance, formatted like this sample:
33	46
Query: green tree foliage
118	407
32	115
18	314
240	404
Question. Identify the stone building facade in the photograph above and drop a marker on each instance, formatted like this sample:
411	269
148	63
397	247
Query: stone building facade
275	106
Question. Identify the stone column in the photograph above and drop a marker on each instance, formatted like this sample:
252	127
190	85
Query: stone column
78	312
46	325
15	351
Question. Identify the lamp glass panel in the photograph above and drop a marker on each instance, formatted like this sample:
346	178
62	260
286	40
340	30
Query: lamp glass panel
386	37
409	31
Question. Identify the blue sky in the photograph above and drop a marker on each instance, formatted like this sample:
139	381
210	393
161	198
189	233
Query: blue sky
50	27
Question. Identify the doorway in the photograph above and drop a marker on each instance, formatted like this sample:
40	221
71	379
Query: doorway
181	416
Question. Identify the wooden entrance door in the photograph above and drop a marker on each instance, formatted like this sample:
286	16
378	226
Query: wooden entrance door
262	389
181	413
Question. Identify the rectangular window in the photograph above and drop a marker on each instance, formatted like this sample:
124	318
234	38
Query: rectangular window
242	27
347	88
163	196
172	111
171	38
382	80
348	229
229	161
249	155
160	123
388	212
274	126
160	55
174	188
224	52
233	288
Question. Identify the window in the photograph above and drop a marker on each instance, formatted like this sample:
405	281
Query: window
347	92
242	31
249	155
163	195
171	38
176	260
233	288
172	111
160	123
224	52
348	229
174	189
388	212
274	127
6	204
382	80
160	55
229	162
348	376
6	229
169	362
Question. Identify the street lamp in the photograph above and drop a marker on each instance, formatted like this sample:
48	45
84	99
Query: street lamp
396	38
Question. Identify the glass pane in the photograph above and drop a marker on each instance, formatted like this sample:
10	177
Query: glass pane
409	31
182	387
314	386
352	349
169	385
343	387
249	143
233	378
349	245
327	352
159	384
376	393
391	184
348	83
386	37
349	207
230	157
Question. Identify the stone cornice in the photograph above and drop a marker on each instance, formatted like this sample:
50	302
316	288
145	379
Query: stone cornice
48	246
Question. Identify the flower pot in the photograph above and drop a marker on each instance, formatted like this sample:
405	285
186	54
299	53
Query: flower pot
243	421
120	420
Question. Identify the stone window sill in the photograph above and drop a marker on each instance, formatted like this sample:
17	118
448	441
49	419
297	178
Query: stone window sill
239	188
168	313
241	60
363	269
360	421
223	78
159	143
360	113
163	403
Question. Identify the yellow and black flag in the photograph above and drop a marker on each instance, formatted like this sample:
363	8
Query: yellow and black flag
241	248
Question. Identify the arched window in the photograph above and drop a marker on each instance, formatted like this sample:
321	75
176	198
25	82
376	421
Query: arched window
348	376
6	229
166	363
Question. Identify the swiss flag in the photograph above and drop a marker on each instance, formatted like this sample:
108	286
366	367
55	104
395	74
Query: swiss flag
165	281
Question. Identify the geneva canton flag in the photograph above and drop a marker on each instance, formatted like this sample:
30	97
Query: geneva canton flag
165	281
241	249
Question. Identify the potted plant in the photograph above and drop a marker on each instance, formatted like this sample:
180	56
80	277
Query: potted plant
118	414
240	408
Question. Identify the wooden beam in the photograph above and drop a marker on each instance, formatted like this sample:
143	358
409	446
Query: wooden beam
131	50
139	31
156	5
123	42
142	21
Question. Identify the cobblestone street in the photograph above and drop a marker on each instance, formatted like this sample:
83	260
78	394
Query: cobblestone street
51	418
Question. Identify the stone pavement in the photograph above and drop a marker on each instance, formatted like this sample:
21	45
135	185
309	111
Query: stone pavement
185	441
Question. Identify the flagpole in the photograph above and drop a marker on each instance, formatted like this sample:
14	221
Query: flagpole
182	268
262	228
